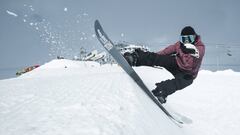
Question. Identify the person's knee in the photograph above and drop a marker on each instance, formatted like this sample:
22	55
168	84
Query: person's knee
182	83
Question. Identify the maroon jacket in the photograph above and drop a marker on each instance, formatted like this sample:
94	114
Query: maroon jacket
186	62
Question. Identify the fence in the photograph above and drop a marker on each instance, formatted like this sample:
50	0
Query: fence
221	57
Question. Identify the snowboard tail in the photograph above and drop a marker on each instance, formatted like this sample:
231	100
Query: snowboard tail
109	46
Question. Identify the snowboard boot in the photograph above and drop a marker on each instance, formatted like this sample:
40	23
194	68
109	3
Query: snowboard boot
160	96
131	58
162	100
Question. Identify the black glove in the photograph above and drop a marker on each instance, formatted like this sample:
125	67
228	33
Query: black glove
131	58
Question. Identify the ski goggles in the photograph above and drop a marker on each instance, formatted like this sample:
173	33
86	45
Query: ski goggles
187	38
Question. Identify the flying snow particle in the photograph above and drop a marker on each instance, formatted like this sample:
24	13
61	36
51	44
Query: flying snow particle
54	42
85	14
65	9
11	13
122	34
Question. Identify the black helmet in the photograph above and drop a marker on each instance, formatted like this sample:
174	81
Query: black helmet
188	35
188	30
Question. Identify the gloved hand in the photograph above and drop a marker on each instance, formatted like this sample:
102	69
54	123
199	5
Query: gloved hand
190	49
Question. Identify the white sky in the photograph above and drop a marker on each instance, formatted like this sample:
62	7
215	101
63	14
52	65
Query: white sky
156	23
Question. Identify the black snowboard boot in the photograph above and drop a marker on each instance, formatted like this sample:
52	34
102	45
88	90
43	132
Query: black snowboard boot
131	58
160	96
162	100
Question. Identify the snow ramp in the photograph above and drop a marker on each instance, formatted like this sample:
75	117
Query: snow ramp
65	97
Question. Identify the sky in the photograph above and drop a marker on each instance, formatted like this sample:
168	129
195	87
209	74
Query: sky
36	31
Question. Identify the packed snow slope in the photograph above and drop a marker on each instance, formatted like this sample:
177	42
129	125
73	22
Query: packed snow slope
65	97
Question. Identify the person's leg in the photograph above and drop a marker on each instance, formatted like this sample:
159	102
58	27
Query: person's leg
153	59
168	87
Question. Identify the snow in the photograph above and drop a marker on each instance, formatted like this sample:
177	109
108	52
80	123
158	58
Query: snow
213	104
65	97
11	13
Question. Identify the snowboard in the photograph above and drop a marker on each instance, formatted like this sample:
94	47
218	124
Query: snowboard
112	50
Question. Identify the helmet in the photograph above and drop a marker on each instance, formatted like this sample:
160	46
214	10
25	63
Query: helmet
188	35
188	30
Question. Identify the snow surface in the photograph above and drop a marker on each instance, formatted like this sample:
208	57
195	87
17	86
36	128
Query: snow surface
65	97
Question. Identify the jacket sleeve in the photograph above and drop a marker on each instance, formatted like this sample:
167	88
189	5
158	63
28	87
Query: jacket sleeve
201	50
168	50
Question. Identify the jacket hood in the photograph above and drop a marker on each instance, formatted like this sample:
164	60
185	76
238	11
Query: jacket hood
198	41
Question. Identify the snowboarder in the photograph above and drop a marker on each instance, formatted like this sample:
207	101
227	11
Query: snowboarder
183	59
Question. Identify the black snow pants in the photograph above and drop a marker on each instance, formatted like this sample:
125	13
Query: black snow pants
181	79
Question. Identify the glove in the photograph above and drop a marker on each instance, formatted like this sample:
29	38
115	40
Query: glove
131	58
190	49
